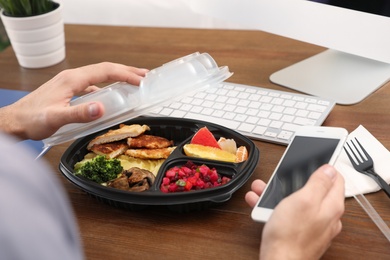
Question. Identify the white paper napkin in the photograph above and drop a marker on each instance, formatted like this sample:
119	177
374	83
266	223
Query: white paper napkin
355	182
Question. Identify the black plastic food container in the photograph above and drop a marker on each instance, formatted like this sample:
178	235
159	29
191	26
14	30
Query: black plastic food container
180	131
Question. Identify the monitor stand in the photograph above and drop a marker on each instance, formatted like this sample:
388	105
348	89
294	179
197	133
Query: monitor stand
347	79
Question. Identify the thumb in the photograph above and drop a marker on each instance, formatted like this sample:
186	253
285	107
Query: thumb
83	113
321	181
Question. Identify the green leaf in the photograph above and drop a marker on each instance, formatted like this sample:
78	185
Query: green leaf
22	8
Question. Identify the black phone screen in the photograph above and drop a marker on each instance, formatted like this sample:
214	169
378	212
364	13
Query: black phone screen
304	156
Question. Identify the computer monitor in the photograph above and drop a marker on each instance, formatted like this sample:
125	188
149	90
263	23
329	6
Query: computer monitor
356	33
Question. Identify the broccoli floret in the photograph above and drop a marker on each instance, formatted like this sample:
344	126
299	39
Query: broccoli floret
99	169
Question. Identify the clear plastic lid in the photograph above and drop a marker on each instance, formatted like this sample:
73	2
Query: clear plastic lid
123	101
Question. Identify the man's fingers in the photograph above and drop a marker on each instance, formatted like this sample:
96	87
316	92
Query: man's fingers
321	182
258	186
78	79
251	198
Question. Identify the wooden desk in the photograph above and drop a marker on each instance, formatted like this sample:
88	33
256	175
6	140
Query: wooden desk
225	232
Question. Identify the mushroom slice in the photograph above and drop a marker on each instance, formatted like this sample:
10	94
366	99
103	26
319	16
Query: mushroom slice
121	183
139	179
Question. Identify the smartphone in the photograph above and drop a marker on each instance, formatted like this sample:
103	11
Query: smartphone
310	148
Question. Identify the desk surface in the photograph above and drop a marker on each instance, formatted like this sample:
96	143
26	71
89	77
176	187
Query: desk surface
224	232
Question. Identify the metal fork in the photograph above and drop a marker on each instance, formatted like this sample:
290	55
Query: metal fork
364	164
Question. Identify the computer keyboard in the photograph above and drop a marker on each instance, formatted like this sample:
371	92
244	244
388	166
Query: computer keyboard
258	113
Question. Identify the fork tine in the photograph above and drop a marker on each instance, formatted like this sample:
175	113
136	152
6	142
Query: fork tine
362	149
348	153
359	157
351	154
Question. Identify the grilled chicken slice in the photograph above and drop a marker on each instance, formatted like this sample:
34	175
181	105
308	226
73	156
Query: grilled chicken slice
124	132
110	150
149	142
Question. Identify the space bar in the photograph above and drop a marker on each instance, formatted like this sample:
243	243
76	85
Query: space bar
215	120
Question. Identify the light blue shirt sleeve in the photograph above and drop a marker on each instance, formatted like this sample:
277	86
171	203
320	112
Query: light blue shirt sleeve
36	218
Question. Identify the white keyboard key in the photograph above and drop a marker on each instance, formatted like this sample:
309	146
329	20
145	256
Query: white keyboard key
270	134
207	111
232	93
286	135
243	95
290	111
201	95
240	110
266	106
264	122
246	127
218	105
232	101
301	105
207	103
221	92
264	114
252	120
252	112
166	111
314	115
317	108
304	121
286	96
275	116
211	97
251	90
197	102
229	115
239	89
276	124
254	97
196	109
259	130
265	99
243	103
298	98
218	113
186	107
311	100
254	104
323	102
289	103
240	117
229	108
262	92
187	100
175	105
221	99
287	118
278	109
277	101
290	127
302	113
178	113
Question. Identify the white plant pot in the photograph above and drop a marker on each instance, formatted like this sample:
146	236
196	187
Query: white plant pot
38	41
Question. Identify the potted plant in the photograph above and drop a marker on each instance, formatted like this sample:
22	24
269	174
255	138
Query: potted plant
36	31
